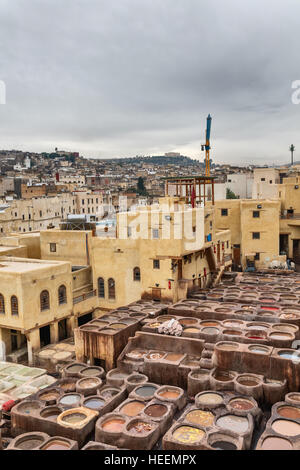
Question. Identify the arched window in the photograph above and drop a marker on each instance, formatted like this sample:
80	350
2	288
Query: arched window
136	274
111	289
62	295
101	288
14	305
2	304
44	299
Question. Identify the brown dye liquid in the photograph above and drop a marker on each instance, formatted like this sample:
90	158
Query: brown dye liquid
191	330
56	445
289	412
222	376
156	411
276	443
248	382
91	372
209	323
286	428
173	357
141	428
132	408
242	404
113	425
170	394
68	387
50	396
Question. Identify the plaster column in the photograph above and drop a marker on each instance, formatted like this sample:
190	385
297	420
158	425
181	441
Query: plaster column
33	344
54	337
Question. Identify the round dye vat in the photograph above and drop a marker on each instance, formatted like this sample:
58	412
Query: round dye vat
156	411
113	425
188	321
255	336
227	346
136	354
258	349
288	354
285	328
289	316
188	434
271	309
49	396
172	357
68	386
295	396
276	443
154	356
223	445
28	443
203	418
232	323
232	332
29	407
75	368
91	372
169	394
71	399
94	403
57	444
210	399
210	331
51	413
87	383
154	324
191	330
209	323
135	379
237	424
109	393
223	376
100	324
282	336
146	391
140	428
74	418
132	408
119	375
289	412
286	427
241	404
257	327
248	381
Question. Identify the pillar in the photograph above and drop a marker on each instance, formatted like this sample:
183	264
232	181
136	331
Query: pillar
33	344
71	324
54	337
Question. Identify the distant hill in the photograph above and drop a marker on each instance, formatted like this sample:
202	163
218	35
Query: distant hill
157	160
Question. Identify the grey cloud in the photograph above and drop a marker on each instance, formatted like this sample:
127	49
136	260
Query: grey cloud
117	78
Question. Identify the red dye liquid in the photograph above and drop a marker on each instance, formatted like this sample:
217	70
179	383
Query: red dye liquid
269	308
255	337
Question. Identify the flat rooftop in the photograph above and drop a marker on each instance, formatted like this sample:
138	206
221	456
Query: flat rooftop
24	265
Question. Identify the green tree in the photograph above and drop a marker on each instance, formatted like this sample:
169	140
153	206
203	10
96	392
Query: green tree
230	194
141	187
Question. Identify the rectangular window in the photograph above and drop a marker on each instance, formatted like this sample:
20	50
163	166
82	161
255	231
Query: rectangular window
155	233
256	214
52	247
156	264
256	235
263	179
224	212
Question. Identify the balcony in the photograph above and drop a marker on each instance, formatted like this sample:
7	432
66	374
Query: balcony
84	296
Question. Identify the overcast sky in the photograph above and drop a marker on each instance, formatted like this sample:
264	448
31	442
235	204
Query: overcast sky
115	78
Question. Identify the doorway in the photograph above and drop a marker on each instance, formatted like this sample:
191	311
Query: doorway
62	330
45	336
85	319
